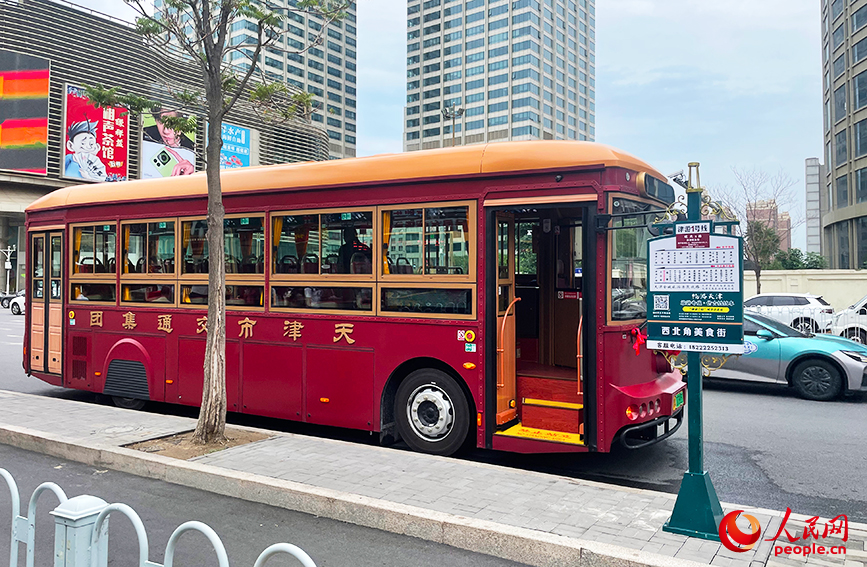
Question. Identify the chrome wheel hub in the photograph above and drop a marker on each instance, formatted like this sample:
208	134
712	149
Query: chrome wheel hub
431	413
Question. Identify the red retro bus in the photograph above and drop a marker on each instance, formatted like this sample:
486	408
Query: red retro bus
490	294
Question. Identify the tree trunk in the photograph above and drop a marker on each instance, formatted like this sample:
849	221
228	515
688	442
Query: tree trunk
211	426
758	272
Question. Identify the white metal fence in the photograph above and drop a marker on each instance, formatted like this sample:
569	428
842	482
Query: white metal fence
81	532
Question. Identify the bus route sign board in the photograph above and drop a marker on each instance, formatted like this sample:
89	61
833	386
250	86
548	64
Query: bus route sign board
695	293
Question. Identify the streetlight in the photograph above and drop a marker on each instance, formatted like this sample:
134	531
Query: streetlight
450	113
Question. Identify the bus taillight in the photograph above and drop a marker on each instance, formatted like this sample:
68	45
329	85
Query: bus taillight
632	412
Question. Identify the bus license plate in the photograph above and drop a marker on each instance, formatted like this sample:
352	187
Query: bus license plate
678	400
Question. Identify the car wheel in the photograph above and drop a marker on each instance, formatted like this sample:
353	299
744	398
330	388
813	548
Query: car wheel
16	309
5	303
856	335
817	379
805	326
433	415
128	403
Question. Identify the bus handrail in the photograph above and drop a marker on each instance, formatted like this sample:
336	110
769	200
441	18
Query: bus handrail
580	355
500	348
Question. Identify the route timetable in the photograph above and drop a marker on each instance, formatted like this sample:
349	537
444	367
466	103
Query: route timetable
694	269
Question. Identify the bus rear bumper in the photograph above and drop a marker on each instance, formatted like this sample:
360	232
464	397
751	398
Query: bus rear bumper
644	434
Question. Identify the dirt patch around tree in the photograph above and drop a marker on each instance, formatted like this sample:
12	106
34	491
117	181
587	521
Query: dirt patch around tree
181	446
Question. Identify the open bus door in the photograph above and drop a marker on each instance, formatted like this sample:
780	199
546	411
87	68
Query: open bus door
541	327
46	302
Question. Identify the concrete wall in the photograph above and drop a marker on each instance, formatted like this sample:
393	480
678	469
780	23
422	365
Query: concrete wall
840	288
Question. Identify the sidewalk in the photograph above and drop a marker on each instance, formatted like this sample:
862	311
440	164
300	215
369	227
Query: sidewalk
530	517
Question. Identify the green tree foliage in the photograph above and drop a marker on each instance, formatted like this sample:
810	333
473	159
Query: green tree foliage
199	30
795	259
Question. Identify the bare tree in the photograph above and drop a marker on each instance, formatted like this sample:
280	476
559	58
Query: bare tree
200	29
757	192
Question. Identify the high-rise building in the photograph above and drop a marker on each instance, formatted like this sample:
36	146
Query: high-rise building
814	174
327	70
517	69
844	68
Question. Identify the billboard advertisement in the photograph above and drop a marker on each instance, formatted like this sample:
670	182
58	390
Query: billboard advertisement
24	82
95	140
165	152
236	147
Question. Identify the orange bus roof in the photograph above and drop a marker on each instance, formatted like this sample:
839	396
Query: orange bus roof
501	157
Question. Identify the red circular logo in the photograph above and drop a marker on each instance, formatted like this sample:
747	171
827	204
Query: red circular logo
731	535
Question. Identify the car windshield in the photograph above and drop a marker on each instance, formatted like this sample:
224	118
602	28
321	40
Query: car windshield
781	328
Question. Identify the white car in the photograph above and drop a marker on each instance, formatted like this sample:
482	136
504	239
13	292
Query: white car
17	305
852	322
803	311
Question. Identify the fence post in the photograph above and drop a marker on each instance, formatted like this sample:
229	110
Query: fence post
74	521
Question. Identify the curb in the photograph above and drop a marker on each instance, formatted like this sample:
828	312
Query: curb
506	542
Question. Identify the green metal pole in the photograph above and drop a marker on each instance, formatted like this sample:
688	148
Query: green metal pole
697	511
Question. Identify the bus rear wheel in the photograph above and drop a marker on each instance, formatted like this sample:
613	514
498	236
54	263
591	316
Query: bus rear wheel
128	403
433	415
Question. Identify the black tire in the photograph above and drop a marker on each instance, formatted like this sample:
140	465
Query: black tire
817	379
857	335
16	310
432	412
805	326
128	403
5	302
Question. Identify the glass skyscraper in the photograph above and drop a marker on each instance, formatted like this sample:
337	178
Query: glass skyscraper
519	70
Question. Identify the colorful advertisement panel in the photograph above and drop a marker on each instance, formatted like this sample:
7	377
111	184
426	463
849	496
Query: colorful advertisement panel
24	82
236	147
165	152
95	140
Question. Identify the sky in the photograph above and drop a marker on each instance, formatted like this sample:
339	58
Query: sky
727	84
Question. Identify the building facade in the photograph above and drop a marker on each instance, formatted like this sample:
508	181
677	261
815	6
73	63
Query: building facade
767	213
844	67
47	51
328	70
814	175
499	70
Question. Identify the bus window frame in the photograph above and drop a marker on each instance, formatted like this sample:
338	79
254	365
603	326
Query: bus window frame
93	278
610	252
324	311
367	279
472	236
146	278
427	285
255	280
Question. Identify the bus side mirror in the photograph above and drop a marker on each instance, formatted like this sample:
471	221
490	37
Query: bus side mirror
765	334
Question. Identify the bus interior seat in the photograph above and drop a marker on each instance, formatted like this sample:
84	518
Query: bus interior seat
288	265
359	263
310	264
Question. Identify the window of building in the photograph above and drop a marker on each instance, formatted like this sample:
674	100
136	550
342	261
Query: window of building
840	153
840	65
842	185
861	185
838	36
859	19
840	104
842	229
860	138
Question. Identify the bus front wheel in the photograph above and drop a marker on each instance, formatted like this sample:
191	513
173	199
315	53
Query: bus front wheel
432	412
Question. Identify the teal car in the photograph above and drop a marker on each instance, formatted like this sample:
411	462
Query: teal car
818	367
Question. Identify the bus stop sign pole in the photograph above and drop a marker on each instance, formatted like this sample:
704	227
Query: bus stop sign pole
697	511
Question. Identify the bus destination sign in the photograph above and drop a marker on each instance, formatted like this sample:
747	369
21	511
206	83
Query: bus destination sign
695	291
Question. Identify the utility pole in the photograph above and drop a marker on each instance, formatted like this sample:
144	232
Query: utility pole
7	253
450	113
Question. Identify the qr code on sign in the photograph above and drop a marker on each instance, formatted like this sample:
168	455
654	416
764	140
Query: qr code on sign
660	302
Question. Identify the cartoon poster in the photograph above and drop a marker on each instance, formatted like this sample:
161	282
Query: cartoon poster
165	152
236	147
94	139
24	81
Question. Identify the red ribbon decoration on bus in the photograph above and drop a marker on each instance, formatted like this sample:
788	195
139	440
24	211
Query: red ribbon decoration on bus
640	338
